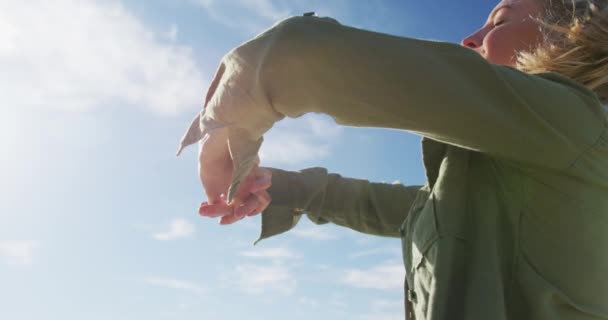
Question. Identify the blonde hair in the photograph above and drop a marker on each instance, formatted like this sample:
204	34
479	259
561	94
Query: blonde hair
575	43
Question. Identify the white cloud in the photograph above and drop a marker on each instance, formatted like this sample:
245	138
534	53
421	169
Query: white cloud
382	309
393	251
295	141
338	300
248	16
179	228
385	277
253	16
175	284
257	279
292	148
264	8
83	54
387	304
366	241
322	267
18	252
271	253
172	32
382	316
309	302
313	233
323	127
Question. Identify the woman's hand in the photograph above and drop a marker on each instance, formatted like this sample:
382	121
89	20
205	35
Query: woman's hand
214	160
215	165
251	198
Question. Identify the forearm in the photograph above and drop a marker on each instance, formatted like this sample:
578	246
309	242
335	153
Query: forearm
436	89
372	208
362	78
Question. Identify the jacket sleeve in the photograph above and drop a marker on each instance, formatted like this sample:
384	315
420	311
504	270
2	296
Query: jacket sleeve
373	208
439	90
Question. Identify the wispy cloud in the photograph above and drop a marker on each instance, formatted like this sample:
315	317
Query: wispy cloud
270	253
382	316
291	148
176	284
248	16
383	309
338	300
323	127
387	304
79	55
296	141
366	241
253	16
275	277
178	228
259	279
313	233
18	252
387	276
267	9
393	251
309	302
172	32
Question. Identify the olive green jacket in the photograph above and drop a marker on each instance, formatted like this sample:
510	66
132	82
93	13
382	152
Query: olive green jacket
513	221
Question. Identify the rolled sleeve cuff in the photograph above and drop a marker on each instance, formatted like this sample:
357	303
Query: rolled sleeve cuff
293	194
280	216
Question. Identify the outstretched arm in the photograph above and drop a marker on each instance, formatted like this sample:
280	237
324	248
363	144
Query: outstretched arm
373	208
361	78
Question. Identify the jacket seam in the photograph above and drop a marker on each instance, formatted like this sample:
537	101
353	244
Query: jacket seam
588	148
516	249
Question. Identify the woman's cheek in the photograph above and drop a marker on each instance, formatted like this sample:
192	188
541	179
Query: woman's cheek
499	52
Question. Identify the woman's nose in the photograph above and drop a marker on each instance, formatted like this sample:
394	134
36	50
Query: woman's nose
473	41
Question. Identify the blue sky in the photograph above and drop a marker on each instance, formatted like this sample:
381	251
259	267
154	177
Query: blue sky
99	218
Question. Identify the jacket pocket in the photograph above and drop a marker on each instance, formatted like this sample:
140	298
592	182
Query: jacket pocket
419	233
546	300
424	232
419	229
563	256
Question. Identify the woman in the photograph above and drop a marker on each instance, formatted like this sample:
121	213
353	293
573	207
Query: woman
512	222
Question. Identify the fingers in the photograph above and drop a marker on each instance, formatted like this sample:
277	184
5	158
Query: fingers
251	199
262	173
263	201
255	204
255	194
248	206
258	179
214	210
260	185
241	211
